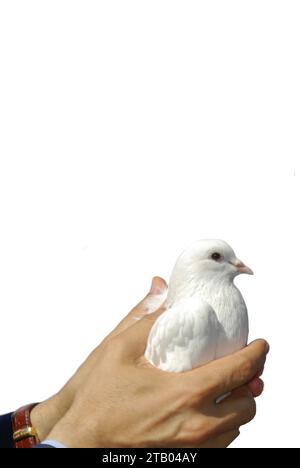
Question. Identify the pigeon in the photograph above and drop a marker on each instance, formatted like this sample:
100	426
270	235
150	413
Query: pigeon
205	315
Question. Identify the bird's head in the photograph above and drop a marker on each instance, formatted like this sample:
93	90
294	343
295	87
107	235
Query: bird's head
213	258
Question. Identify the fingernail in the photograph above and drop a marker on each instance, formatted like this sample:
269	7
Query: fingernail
267	348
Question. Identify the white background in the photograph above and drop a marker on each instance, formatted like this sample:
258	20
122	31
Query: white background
128	130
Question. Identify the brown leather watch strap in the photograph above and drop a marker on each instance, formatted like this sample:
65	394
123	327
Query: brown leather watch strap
24	435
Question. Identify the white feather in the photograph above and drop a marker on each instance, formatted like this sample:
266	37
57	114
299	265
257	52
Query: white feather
183	337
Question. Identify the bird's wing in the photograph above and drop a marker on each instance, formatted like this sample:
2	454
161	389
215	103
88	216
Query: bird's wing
183	337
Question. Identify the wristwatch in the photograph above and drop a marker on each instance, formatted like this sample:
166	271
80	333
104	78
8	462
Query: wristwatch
24	434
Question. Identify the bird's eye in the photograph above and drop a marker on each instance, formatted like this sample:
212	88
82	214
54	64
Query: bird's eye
216	256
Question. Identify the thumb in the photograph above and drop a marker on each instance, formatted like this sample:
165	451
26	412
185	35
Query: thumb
151	301
135	338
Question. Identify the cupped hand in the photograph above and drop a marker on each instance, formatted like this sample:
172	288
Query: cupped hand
46	414
125	402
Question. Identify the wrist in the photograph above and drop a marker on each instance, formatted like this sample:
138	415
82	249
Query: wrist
63	432
45	415
74	431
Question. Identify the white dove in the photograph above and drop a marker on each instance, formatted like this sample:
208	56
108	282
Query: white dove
206	317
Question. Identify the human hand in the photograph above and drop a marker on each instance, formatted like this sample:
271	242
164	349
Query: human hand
125	402
46	414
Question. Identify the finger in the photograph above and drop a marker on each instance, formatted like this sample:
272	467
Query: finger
235	411
223	440
135	337
261	372
256	386
252	389
241	392
151	302
224	375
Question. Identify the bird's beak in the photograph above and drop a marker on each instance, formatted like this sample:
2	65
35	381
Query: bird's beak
241	267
